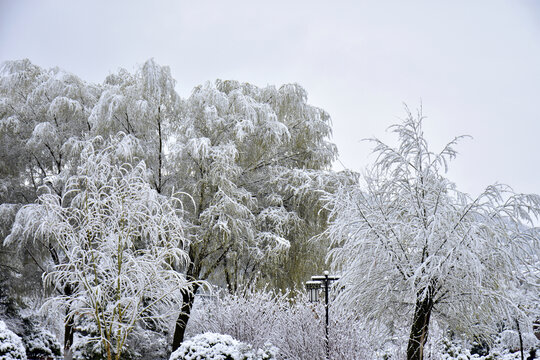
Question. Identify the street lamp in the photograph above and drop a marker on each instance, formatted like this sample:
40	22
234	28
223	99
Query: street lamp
313	287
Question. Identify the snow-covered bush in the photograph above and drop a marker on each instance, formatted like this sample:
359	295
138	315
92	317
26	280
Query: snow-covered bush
506	347
86	350
85	346
149	344
214	346
42	344
11	346
291	324
509	339
144	344
454	350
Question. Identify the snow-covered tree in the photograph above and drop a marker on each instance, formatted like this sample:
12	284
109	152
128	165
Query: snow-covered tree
119	245
144	105
256	158
43	116
409	244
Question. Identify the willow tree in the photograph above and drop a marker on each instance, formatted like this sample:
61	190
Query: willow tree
408	242
43	121
256	159
144	105
43	117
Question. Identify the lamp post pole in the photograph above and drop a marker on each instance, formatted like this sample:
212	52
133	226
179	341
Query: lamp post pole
313	287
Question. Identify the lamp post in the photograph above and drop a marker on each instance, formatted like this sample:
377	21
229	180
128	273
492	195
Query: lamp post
317	282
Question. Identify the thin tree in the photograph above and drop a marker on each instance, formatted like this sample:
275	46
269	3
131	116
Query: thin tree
120	244
410	244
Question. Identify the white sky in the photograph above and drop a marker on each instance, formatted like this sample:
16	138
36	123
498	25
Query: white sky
474	65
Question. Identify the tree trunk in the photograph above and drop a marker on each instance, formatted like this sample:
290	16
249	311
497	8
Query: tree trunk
420	327
188	298
68	328
68	337
160	152
520	340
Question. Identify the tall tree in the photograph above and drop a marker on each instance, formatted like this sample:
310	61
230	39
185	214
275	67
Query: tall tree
256	158
43	121
409	242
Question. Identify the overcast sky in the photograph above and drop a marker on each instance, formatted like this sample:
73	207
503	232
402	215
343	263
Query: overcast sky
474	65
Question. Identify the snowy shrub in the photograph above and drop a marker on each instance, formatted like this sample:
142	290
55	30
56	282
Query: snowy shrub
506	347
11	346
509	340
86	348
249	318
143	345
219	347
149	344
42	344
291	324
39	342
454	350
87	345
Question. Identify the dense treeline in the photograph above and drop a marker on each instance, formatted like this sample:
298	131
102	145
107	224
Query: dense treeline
245	164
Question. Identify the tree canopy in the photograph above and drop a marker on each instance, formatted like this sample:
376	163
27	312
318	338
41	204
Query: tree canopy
410	243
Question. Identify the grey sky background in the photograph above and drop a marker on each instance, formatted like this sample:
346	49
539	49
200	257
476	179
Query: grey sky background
474	65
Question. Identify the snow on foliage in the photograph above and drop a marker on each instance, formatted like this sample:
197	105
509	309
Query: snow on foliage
7	216
251	159
120	244
242	144
40	111
411	245
296	328
11	346
509	339
459	350
257	158
42	344
214	346
143	105
292	325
